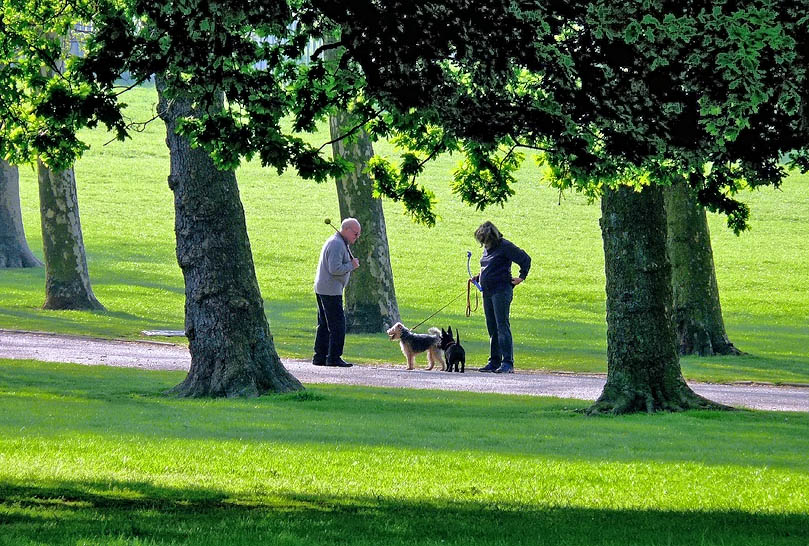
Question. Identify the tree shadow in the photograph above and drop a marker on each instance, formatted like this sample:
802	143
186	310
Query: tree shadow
74	512
65	320
75	400
770	368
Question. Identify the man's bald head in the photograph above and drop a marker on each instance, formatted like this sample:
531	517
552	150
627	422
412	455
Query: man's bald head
350	229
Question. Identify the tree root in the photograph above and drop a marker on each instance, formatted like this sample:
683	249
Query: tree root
620	402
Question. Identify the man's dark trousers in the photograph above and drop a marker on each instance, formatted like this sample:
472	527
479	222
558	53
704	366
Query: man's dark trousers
331	329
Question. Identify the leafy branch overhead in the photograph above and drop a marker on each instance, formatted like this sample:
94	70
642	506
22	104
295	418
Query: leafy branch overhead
606	92
42	104
613	92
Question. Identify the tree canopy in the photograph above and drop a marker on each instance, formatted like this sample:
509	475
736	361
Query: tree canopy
609	92
42	102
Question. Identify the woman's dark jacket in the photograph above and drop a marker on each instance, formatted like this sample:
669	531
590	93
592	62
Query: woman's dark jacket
495	265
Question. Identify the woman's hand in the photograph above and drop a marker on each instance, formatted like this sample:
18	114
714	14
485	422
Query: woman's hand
515	281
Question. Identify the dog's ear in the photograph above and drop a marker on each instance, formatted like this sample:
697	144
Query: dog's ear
450	331
443	333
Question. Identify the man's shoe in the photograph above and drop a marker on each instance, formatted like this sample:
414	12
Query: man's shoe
505	368
489	367
340	364
318	361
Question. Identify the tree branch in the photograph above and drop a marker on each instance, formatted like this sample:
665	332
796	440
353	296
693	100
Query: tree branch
519	144
325	47
505	157
130	87
421	164
350	132
140	126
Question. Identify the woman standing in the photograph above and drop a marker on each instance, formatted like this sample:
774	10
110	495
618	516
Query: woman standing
498	291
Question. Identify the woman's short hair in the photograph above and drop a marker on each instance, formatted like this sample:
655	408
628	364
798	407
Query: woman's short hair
488	235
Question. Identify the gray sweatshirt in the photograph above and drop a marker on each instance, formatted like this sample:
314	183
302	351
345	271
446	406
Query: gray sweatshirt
334	267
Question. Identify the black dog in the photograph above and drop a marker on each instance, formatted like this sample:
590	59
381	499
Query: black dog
453	352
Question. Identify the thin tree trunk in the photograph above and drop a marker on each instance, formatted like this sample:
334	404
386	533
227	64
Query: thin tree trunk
643	368
67	280
696	311
370	298
14	250
232	349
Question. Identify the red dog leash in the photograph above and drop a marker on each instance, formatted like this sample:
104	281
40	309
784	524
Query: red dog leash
469	309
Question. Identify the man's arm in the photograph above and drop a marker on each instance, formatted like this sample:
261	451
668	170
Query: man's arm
337	260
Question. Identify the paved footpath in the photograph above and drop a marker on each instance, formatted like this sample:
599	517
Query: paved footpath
166	356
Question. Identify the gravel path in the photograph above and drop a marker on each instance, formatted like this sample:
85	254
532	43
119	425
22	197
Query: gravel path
166	356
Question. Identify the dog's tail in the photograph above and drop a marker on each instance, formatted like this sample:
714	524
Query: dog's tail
457	337
434	332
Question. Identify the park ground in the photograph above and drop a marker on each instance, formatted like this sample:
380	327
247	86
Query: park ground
167	356
99	455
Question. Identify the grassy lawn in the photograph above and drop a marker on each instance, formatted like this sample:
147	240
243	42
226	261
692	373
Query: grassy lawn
95	455
557	316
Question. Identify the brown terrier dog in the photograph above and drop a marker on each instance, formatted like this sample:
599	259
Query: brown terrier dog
413	344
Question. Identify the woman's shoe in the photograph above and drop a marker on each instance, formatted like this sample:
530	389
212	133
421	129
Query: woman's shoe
505	368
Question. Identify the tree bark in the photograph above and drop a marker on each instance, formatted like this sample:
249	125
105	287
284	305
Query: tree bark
696	311
232	349
643	368
67	280
370	297
14	250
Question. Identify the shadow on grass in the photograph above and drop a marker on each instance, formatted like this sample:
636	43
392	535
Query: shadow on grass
76	400
60	321
131	512
773	368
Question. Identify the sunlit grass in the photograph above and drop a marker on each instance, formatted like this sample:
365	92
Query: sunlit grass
558	314
97	455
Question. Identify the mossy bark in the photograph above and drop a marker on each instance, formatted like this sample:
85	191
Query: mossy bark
643	370
232	349
370	297
696	311
67	280
14	250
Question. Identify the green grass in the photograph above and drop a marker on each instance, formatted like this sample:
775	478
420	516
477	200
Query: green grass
97	455
558	315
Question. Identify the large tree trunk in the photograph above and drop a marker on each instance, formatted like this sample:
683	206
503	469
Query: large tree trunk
370	298
643	368
696	312
67	281
232	349
14	250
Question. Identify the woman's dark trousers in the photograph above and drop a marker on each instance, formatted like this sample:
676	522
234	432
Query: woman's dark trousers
497	307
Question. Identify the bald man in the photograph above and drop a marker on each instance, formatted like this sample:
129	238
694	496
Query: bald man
333	271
